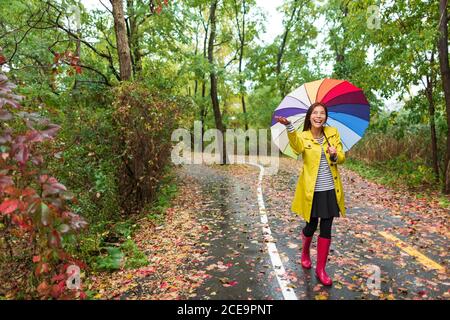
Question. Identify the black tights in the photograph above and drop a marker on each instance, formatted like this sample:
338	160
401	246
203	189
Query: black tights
325	227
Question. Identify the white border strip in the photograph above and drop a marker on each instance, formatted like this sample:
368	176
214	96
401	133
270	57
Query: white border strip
280	272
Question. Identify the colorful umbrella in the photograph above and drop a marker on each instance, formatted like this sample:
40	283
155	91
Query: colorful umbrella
348	111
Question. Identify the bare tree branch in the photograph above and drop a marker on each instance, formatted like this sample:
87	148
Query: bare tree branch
108	56
16	45
105	6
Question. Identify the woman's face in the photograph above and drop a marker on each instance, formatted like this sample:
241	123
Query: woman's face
318	117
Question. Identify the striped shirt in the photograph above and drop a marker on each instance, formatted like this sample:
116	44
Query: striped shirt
324	180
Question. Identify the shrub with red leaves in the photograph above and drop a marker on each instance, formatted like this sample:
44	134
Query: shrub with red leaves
34	205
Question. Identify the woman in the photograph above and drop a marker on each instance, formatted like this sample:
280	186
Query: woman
319	193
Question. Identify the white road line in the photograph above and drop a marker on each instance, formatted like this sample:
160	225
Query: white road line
280	272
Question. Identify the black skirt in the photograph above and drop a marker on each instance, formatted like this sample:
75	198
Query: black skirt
324	205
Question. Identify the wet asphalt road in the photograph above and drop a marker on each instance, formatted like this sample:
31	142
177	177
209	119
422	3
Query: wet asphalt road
237	259
240	268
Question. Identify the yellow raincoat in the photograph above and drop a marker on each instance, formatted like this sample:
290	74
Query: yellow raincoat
305	144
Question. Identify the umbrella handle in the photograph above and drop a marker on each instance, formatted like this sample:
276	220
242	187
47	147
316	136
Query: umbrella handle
328	142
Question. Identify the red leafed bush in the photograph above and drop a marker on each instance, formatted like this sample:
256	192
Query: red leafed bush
33	205
145	121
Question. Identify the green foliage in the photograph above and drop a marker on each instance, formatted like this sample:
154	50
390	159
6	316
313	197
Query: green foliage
127	256
262	102
86	159
398	172
396	149
124	253
125	228
166	192
112	260
444	202
135	258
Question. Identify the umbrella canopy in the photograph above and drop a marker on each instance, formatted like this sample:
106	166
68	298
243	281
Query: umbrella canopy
348	111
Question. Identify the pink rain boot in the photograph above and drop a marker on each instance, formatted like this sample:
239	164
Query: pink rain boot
323	247
306	243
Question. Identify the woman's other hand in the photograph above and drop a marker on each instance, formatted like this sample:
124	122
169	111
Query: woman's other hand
282	120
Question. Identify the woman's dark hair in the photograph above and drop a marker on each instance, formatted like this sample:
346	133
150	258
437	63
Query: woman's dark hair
307	124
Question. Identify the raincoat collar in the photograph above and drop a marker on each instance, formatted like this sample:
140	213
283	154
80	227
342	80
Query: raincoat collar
329	132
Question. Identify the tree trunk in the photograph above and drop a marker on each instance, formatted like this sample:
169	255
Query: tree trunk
133	37
195	55
123	48
213	77
431	109
204	107
445	76
241	57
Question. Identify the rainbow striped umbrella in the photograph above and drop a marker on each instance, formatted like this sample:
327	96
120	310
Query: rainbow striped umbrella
348	111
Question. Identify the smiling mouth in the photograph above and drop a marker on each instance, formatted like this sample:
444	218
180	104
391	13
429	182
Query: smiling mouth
317	122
